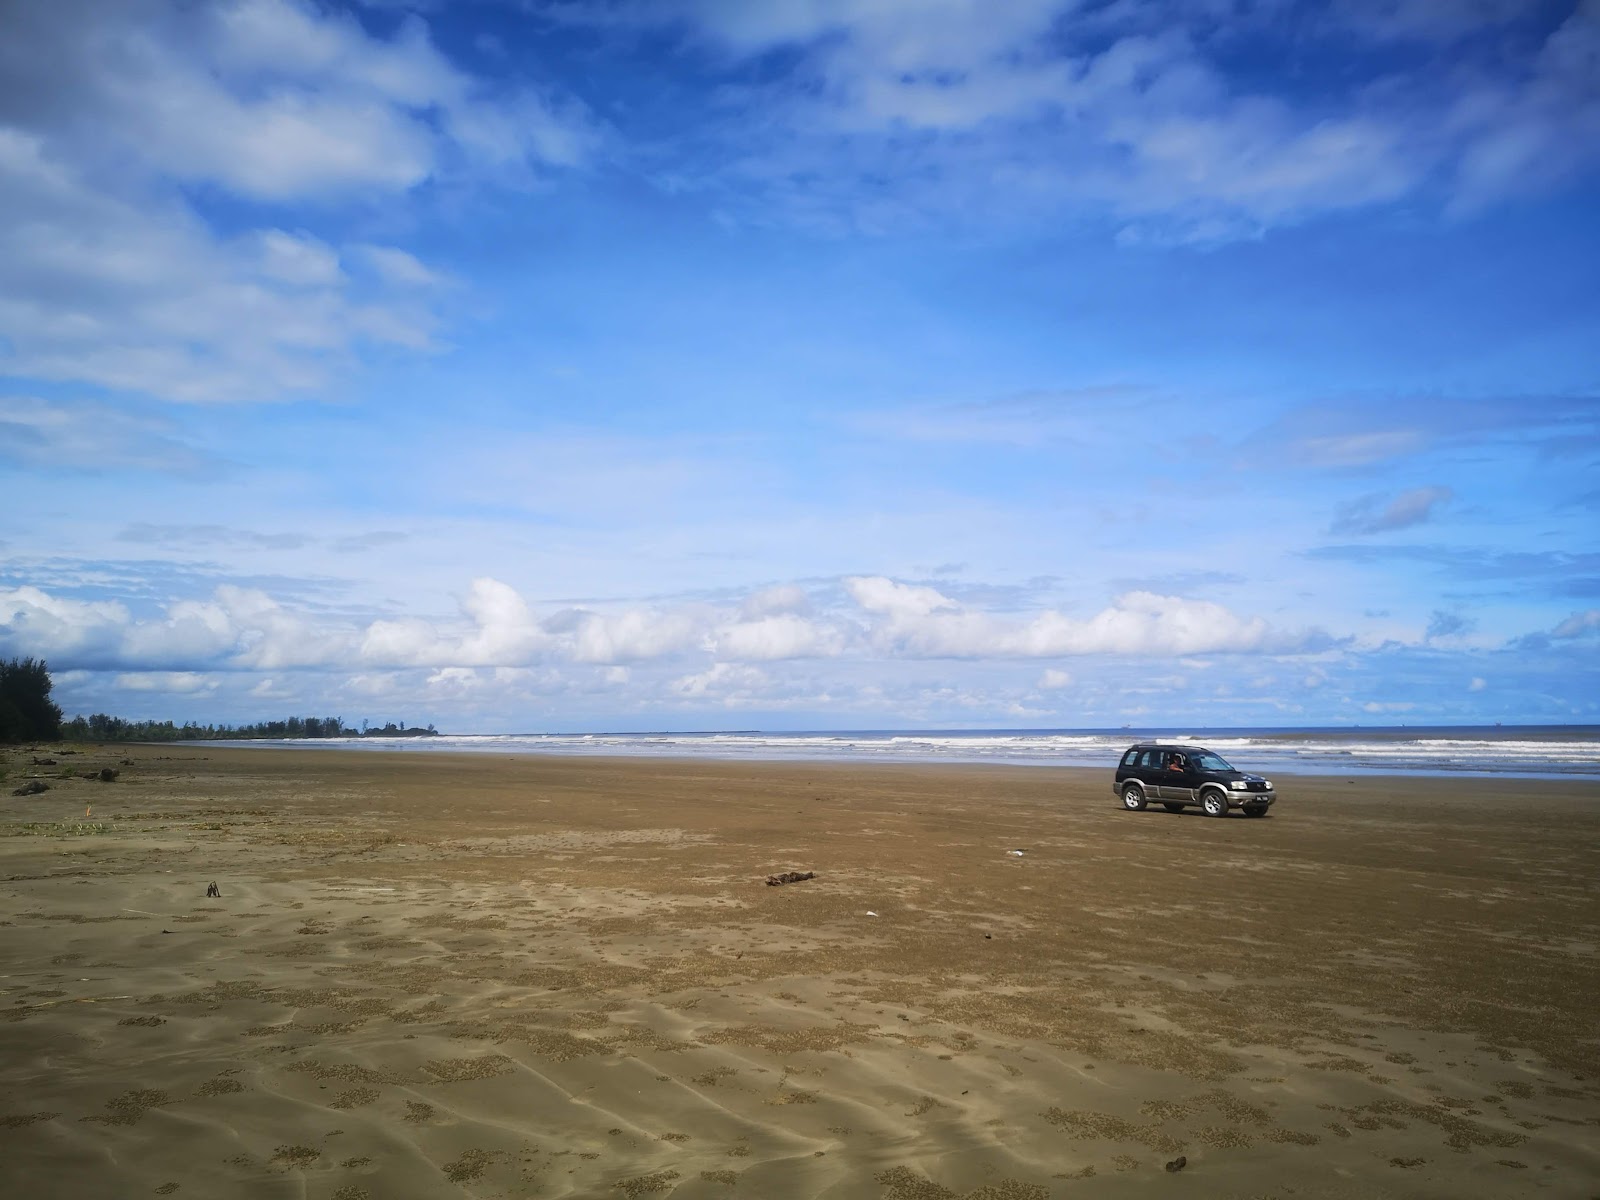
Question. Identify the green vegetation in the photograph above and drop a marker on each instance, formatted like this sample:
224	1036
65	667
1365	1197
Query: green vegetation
103	728
27	714
26	711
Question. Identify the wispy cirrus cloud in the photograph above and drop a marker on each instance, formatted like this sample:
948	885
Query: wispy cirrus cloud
1360	432
1378	513
89	437
874	114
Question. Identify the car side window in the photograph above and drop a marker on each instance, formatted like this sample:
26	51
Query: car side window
1149	758
1130	758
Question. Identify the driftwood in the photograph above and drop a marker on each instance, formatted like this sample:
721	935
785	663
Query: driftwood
789	877
32	788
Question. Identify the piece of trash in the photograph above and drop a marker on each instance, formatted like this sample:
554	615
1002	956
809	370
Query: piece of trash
213	891
1177	1164
870	913
1014	853
790	877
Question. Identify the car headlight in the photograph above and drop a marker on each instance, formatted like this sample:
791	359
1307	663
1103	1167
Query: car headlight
1237	785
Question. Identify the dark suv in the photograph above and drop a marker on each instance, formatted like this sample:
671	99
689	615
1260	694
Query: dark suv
1173	776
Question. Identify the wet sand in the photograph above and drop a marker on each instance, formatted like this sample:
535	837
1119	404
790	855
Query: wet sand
453	975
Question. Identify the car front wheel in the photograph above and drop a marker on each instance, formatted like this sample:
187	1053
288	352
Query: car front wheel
1255	810
1215	804
1133	798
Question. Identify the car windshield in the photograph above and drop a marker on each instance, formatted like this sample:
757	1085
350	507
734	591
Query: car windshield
1207	761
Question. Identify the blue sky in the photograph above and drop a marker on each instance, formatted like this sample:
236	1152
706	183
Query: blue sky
703	364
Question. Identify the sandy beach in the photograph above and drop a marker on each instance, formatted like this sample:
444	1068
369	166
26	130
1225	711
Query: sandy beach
451	975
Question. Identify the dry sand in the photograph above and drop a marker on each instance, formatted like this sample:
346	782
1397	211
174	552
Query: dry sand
439	975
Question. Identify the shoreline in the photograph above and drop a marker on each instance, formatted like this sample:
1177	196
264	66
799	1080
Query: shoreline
447	973
1571	758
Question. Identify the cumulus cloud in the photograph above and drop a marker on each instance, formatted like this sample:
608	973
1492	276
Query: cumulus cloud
1382	514
239	628
785	635
730	683
921	622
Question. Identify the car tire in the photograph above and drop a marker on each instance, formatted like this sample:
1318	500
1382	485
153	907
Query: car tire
1215	804
1173	807
1133	798
1255	810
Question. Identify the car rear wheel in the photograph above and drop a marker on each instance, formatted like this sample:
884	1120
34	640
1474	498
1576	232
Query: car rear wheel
1173	807
1215	804
1133	798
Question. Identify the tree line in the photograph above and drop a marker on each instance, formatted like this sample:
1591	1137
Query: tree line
101	727
27	714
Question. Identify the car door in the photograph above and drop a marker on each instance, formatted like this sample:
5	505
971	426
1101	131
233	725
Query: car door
1177	784
1152	764
1146	768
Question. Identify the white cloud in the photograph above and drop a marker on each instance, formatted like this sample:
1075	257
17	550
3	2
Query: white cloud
1478	684
139	294
728	683
921	622
780	600
396	266
113	115
1053	680
270	99
636	634
172	682
244	629
776	637
298	259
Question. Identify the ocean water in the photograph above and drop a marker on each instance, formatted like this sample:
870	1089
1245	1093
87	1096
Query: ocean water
1557	751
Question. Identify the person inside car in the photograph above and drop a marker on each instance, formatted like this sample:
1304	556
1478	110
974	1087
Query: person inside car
1175	762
